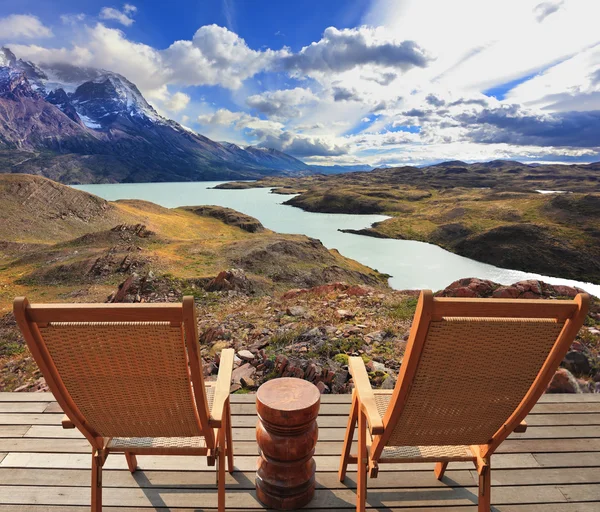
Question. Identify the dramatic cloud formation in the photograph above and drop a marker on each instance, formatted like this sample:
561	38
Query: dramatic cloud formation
23	26
342	50
414	81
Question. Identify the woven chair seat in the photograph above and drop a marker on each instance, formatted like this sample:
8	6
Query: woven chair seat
124	443
434	453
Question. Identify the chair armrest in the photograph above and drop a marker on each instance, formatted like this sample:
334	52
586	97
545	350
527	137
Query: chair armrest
66	422
222	387
366	398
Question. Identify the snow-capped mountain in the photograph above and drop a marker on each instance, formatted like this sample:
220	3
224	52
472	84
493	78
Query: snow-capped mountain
77	124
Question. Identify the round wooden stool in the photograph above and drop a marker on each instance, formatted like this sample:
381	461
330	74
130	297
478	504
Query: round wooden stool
286	433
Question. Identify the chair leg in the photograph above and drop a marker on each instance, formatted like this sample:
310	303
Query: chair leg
440	469
348	439
131	461
97	463
485	488
361	480
228	438
221	470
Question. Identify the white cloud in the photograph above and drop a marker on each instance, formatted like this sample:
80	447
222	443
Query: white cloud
177	102
215	56
72	19
281	103
110	13
272	134
129	8
23	26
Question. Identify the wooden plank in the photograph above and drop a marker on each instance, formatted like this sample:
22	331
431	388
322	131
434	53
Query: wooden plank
566	408
547	507
549	445
241	463
53	407
567	460
324	498
2	456
251	398
542	476
239	480
30	419
567	397
581	432
323	421
562	419
12	407
324	447
588	492
332	428
327	480
325	434
13	430
11	396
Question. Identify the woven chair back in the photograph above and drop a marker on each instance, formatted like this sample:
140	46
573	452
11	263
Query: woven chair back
472	375
128	379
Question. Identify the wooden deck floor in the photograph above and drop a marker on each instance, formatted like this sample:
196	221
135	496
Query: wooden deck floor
553	467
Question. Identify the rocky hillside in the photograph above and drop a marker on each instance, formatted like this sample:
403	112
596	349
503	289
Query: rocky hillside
310	333
86	125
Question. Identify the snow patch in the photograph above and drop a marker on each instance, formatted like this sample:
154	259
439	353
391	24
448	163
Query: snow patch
89	122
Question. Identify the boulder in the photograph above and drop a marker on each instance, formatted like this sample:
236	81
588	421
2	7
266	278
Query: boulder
246	355
230	280
243	372
563	382
576	362
506	292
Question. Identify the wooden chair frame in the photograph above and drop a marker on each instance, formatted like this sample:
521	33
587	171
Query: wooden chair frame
215	424
375	431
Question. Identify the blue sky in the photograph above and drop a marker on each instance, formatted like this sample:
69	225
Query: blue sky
379	82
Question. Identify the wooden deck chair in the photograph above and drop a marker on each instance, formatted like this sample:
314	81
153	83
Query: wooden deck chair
472	371
129	377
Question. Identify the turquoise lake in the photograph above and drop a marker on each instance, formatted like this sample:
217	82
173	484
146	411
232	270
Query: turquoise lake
412	265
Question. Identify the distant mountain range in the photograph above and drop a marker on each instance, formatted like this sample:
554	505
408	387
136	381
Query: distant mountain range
86	125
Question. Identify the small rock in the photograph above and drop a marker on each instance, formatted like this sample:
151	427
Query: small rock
313	333
322	387
378	366
296	311
344	314
388	383
235	387
247	382
246	355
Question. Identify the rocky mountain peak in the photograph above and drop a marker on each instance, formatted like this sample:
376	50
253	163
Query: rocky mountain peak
14	84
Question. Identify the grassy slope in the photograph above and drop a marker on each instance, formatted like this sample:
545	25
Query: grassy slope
48	247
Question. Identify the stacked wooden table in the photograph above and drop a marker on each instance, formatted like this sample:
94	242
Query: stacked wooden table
287	434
